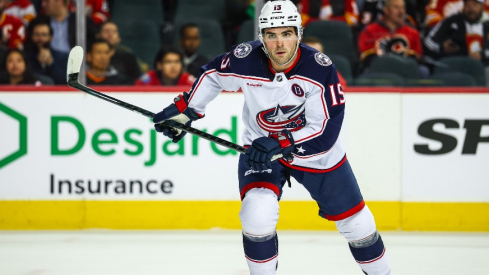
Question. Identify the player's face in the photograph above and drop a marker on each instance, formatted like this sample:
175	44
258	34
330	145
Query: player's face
395	12
171	66
41	36
15	64
110	32
280	43
473	10
190	40
100	56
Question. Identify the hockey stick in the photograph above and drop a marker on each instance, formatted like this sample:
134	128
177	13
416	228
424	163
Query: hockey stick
75	60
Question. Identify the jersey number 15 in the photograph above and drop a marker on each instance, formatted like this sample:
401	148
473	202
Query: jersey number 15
334	96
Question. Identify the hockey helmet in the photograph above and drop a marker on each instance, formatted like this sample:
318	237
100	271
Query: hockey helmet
276	14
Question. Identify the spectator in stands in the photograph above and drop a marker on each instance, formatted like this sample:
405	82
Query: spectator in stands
190	42
63	23
12	30
391	35
43	59
437	10
122	57
168	70
99	71
315	43
373	10
343	10
98	10
16	70
462	34
22	9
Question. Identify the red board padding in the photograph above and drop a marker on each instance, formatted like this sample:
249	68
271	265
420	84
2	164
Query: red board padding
179	89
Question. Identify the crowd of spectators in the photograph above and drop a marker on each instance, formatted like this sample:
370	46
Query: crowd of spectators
37	35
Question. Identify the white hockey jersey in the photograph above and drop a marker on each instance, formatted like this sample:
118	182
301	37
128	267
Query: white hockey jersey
307	99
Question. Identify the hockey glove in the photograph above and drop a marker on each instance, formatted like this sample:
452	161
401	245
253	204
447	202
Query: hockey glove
179	112
259	155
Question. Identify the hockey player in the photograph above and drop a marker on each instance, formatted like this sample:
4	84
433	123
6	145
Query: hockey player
294	106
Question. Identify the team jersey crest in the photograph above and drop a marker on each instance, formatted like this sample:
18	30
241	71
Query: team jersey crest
322	59
242	50
282	117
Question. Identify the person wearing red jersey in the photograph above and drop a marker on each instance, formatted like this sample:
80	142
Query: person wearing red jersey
98	10
13	31
391	35
437	10
168	70
343	10
23	9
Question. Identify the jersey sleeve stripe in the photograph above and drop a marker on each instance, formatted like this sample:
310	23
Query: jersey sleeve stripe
198	83
244	77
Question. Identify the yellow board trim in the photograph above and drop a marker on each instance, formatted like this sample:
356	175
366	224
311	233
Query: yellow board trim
294	215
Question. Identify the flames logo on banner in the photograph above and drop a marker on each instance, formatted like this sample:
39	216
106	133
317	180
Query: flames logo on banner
279	118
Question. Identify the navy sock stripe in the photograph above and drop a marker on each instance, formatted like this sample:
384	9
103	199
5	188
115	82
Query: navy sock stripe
260	251
369	253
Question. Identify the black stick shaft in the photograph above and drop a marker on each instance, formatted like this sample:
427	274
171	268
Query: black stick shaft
73	82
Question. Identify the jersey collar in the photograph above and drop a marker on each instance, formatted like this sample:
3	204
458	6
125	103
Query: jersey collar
289	68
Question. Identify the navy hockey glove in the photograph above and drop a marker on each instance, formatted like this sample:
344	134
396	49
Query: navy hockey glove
259	155
179	112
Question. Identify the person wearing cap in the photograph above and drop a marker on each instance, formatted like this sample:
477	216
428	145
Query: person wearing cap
462	34
292	117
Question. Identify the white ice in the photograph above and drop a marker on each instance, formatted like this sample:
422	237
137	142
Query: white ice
220	252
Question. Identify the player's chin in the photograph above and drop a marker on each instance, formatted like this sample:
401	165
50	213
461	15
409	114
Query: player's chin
279	56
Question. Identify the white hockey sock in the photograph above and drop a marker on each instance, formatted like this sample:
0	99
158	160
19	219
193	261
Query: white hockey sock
380	266
263	268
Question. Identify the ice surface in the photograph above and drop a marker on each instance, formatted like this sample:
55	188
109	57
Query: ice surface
220	252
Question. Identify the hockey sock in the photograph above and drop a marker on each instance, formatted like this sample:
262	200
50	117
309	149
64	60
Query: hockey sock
261	253
369	253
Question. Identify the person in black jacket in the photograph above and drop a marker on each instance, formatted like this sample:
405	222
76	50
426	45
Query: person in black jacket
461	34
123	59
99	71
45	60
190	42
64	27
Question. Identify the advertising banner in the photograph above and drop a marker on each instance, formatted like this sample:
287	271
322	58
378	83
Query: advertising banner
445	147
75	146
69	160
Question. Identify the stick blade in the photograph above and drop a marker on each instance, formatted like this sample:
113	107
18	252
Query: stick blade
75	60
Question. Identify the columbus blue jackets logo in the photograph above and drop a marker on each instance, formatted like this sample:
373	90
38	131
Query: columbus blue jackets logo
242	50
282	117
322	59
